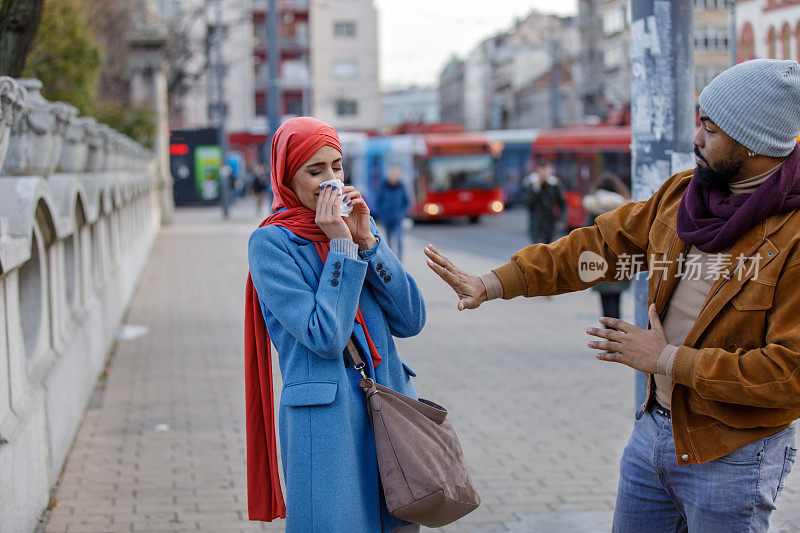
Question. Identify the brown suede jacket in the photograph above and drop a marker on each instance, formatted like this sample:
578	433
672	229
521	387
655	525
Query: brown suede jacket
737	375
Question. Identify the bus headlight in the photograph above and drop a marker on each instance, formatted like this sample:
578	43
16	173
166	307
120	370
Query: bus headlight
497	206
432	209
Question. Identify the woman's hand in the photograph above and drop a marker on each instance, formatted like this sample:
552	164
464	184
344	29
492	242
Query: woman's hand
328	218
358	221
469	288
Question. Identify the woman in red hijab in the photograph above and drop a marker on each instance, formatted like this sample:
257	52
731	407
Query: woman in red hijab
317	280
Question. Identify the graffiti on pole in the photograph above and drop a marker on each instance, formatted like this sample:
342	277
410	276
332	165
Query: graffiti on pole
661	79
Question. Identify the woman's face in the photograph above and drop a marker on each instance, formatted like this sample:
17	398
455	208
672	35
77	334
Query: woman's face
324	165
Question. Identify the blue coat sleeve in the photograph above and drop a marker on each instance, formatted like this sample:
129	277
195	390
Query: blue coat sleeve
395	290
321	319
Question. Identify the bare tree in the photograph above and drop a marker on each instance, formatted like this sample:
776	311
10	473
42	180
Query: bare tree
19	21
110	21
188	52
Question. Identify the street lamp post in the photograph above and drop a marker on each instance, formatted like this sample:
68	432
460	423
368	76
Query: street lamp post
220	111
273	81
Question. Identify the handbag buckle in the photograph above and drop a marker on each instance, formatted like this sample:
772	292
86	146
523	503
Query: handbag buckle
360	368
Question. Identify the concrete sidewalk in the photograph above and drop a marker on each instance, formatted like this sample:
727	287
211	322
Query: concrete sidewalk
162	446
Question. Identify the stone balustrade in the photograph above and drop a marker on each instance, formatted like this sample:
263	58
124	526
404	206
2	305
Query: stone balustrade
79	210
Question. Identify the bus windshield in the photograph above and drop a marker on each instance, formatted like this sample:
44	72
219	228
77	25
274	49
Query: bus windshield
461	172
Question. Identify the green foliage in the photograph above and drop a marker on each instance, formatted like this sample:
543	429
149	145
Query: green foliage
135	121
68	59
65	55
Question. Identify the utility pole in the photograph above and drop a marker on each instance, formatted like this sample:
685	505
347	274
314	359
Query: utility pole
662	108
220	111
273	82
555	82
591	86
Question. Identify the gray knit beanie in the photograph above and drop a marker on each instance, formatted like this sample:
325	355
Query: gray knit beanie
757	103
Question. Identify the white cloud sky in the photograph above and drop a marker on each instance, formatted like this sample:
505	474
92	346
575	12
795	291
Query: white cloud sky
416	37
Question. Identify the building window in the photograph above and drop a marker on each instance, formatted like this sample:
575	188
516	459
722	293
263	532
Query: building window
345	69
294	107
711	5
747	48
612	58
797	34
614	21
346	107
344	28
772	44
786	41
711	39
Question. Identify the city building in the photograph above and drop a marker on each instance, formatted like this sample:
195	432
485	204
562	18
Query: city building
410	105
605	79
534	104
477	77
499	85
344	64
768	29
327	65
712	40
451	92
294	50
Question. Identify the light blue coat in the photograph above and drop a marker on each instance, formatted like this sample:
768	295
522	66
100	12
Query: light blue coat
327	447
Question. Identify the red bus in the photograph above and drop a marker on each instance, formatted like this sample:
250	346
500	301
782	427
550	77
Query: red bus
456	176
580	155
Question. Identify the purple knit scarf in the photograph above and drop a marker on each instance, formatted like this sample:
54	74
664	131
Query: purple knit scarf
713	220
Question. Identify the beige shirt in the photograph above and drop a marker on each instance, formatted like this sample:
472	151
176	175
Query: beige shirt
699	272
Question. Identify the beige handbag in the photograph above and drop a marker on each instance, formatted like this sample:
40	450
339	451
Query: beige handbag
424	475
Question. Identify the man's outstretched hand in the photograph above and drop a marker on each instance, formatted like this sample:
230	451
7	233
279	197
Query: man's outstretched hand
627	344
469	288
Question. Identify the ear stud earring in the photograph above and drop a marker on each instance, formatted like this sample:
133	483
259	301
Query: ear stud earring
751	154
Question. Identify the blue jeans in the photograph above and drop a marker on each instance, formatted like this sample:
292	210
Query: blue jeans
735	493
394	237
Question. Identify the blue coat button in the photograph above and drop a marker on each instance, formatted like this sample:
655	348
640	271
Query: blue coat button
380	266
335	274
387	279
334	282
337	265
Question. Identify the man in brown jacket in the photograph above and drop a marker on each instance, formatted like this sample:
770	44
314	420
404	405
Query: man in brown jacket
715	439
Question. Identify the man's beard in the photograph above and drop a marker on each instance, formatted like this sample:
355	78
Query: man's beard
726	169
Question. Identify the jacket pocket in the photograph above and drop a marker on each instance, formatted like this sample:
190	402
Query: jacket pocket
408	370
308	393
754	296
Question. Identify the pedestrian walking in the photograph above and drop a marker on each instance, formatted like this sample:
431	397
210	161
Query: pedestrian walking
319	281
392	206
542	194
259	186
610	194
715	439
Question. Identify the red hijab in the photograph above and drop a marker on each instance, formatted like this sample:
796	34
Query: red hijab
293	144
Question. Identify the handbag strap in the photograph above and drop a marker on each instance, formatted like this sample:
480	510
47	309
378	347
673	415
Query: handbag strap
358	361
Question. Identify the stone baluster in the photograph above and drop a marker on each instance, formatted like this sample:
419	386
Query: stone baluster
35	141
12	106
